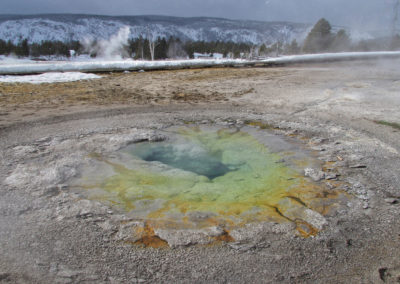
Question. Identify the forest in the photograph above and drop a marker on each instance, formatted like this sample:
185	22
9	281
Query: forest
319	39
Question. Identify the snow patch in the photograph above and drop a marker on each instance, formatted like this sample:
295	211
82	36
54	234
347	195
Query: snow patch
52	77
24	67
107	65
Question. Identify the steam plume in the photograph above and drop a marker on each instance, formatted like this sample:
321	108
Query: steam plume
114	48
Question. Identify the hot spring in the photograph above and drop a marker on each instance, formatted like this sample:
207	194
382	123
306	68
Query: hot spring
207	176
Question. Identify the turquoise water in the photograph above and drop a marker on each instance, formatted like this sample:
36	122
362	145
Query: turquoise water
188	157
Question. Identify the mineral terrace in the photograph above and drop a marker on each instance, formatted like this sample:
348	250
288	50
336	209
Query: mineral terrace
75	206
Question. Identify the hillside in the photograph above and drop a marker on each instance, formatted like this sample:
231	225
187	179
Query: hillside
67	27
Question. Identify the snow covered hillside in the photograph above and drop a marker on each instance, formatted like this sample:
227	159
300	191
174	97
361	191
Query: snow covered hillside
37	28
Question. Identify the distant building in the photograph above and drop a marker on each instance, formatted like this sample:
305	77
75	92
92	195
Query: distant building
214	55
197	55
217	55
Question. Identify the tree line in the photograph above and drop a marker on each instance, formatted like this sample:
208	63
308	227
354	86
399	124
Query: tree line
47	47
139	48
319	39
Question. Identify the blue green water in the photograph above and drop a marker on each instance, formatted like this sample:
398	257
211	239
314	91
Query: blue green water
225	174
201	162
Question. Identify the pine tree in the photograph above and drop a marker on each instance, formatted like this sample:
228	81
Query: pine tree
10	47
292	48
3	47
341	41
22	49
320	37
175	48
161	49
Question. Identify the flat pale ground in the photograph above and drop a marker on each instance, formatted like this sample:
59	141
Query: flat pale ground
370	87
338	102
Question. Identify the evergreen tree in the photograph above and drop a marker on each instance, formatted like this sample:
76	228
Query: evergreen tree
22	49
10	47
320	37
175	48
147	49
263	50
3	47
276	48
161	49
292	48
341	41
136	48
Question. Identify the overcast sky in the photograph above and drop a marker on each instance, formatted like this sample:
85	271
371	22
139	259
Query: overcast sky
361	13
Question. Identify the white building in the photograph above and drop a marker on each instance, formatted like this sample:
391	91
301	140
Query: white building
214	55
197	55
217	55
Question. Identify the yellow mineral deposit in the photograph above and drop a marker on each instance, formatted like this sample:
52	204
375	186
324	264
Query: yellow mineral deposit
252	187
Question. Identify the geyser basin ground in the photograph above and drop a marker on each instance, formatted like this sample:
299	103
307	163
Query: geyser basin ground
51	233
205	177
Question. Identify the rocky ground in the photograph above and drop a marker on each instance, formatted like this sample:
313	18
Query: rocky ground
346	114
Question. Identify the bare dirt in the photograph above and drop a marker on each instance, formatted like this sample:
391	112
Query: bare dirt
51	233
22	102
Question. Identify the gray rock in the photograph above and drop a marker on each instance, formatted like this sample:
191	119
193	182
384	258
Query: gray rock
62	186
316	140
130	231
138	280
242	247
255	232
44	140
314	218
331	176
23	151
68	273
315	175
176	238
391	200
5	276
107	226
319	148
357	166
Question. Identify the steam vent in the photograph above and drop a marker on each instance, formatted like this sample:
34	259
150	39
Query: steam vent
205	185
